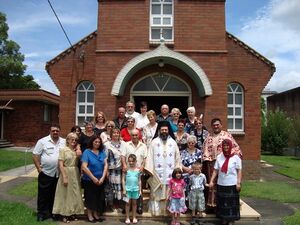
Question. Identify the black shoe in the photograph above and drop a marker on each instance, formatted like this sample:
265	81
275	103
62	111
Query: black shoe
139	210
92	221
55	217
40	218
100	220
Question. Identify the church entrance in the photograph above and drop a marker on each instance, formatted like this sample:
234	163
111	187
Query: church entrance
162	88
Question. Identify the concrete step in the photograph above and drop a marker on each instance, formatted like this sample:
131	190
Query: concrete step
5	144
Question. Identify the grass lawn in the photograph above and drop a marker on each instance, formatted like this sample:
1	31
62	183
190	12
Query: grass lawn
278	191
292	220
290	166
27	189
13	159
19	214
281	191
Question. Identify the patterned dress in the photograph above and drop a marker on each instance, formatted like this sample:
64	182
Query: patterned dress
114	150
177	200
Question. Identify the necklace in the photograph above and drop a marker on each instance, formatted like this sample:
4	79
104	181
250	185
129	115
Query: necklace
116	144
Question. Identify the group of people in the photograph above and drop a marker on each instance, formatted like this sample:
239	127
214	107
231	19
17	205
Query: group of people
183	164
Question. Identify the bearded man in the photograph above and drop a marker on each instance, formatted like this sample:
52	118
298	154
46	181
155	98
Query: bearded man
163	157
212	147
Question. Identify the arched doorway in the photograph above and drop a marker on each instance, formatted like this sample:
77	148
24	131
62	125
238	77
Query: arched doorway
162	88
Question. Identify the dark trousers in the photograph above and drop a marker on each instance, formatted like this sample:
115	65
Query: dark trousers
46	193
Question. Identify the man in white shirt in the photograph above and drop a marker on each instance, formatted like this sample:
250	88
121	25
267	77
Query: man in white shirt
142	119
45	158
130	110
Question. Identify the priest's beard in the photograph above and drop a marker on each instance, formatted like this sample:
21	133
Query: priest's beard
164	136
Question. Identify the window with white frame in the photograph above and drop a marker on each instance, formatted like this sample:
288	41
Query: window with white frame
161	20
235	107
85	103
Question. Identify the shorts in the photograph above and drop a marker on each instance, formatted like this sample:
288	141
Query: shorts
133	194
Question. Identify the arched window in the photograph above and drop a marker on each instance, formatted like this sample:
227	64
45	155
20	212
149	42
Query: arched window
85	103
235	107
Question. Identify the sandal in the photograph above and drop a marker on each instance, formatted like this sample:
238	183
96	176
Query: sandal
127	221
134	221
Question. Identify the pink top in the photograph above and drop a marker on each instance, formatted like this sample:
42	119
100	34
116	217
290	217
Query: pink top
176	188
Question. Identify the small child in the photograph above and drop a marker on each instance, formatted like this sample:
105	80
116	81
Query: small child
131	181
196	195
176	196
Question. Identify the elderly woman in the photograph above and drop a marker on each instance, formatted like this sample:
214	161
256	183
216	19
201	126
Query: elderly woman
228	169
100	120
94	167
200	132
68	201
191	112
181	136
175	114
150	129
106	134
127	131
114	148
188	156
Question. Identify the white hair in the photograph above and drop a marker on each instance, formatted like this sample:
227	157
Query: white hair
192	109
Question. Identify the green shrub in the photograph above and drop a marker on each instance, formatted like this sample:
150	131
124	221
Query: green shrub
276	132
295	134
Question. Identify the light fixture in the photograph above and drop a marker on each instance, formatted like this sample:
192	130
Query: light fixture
161	63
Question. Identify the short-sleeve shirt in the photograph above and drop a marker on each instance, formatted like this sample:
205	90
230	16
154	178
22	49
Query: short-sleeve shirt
176	188
140	151
197	182
229	178
48	152
95	163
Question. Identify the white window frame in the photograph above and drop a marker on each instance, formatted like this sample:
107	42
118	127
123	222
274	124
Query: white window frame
161	16
89	89
234	91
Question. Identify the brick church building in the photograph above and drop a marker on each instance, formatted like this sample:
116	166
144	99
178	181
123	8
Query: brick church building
176	52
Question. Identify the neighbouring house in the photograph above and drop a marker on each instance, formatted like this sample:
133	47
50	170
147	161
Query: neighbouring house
288	101
26	115
171	52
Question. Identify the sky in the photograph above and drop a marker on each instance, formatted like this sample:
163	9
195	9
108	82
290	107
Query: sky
270	27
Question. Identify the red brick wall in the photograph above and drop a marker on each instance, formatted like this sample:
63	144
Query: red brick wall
24	125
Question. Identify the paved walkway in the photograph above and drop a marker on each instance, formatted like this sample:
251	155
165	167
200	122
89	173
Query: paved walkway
265	212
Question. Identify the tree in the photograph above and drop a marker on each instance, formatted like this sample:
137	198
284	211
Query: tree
276	132
12	68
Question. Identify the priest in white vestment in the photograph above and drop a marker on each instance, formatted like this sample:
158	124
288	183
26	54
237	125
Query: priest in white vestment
163	157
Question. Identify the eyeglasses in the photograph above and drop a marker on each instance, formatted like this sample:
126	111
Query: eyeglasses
110	126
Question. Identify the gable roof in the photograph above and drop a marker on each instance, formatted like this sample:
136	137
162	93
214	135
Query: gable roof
252	51
70	49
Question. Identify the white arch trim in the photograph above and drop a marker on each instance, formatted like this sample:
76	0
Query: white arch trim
145	59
